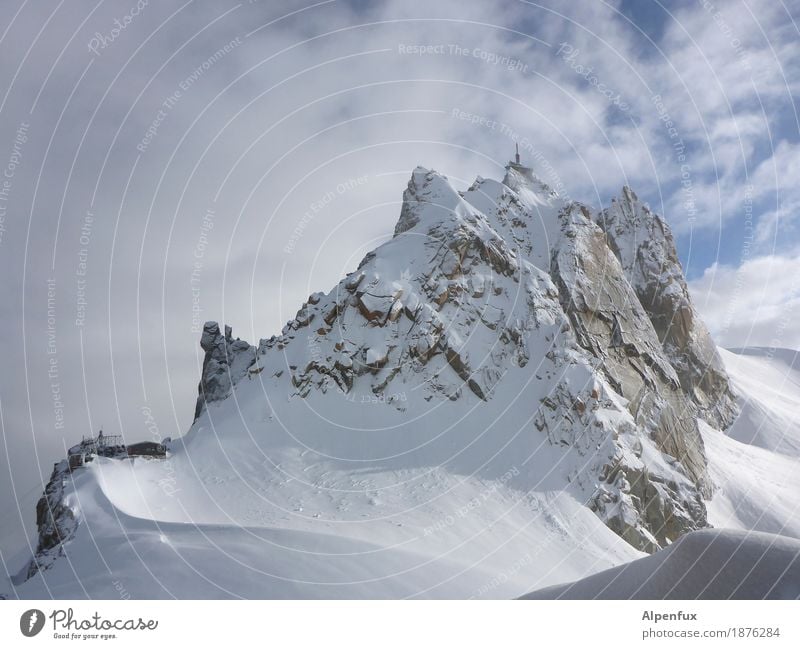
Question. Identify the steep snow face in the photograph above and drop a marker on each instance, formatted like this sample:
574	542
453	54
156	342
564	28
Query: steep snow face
486	382
644	245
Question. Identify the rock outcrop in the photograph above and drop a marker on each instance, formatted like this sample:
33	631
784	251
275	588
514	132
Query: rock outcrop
645	247
609	322
451	318
56	521
225	363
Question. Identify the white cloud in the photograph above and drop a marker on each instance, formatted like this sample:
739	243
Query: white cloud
756	304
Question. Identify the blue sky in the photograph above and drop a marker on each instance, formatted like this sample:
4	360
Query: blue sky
162	159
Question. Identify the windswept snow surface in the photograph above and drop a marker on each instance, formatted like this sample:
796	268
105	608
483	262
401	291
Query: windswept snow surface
755	465
707	564
769	380
390	534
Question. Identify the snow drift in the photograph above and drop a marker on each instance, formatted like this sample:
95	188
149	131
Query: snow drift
707	564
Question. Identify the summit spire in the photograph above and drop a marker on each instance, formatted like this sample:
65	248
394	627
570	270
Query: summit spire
516	164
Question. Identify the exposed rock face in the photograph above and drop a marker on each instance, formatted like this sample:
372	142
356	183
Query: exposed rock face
611	324
645	247
56	521
226	362
390	325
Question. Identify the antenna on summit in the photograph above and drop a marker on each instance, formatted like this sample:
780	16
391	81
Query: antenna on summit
516	164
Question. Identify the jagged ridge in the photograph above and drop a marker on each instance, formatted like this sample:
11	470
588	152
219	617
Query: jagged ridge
476	282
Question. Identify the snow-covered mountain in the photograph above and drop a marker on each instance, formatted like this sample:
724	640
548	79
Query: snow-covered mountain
514	391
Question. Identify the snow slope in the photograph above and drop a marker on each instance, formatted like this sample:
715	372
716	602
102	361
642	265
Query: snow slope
770	378
755	465
707	564
218	545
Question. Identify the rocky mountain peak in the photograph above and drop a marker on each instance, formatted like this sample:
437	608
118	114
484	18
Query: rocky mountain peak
507	279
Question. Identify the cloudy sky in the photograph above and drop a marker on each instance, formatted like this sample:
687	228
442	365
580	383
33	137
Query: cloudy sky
165	163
